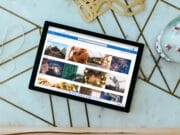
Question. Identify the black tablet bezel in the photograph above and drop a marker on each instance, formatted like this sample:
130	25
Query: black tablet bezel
39	54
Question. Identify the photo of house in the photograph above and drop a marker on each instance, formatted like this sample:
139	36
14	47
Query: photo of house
69	71
99	59
56	49
80	75
115	83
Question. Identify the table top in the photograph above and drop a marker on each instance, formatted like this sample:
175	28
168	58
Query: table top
156	100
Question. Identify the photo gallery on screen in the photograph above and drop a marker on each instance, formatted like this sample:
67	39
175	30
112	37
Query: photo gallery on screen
83	66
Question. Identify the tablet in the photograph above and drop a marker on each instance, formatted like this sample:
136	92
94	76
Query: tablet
86	66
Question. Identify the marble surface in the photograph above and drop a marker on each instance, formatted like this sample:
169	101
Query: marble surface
156	100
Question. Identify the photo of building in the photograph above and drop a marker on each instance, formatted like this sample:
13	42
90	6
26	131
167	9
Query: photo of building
99	60
115	83
56	49
80	75
69	71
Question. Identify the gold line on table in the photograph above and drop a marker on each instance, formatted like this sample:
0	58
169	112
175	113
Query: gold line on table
69	112
158	87
101	26
16	75
20	54
87	114
13	13
156	64
119	25
40	31
24	110
147	20
142	72
52	111
19	36
172	5
176	86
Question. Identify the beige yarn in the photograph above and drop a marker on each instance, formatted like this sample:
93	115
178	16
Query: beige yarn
90	9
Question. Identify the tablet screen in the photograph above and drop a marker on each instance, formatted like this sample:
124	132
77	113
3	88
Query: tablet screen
86	66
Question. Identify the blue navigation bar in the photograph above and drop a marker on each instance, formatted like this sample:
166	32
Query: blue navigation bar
84	40
121	49
62	35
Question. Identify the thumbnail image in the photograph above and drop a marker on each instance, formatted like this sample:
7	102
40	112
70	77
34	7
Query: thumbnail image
56	49
56	84
69	71
80	75
94	77
115	83
111	97
51	67
79	55
106	62
89	92
120	65
99	59
44	81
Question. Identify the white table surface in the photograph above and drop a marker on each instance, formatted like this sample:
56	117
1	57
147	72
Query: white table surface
156	100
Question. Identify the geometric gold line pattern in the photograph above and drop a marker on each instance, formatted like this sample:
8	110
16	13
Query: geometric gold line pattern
24	71
16	75
24	110
26	20
18	55
172	5
17	37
